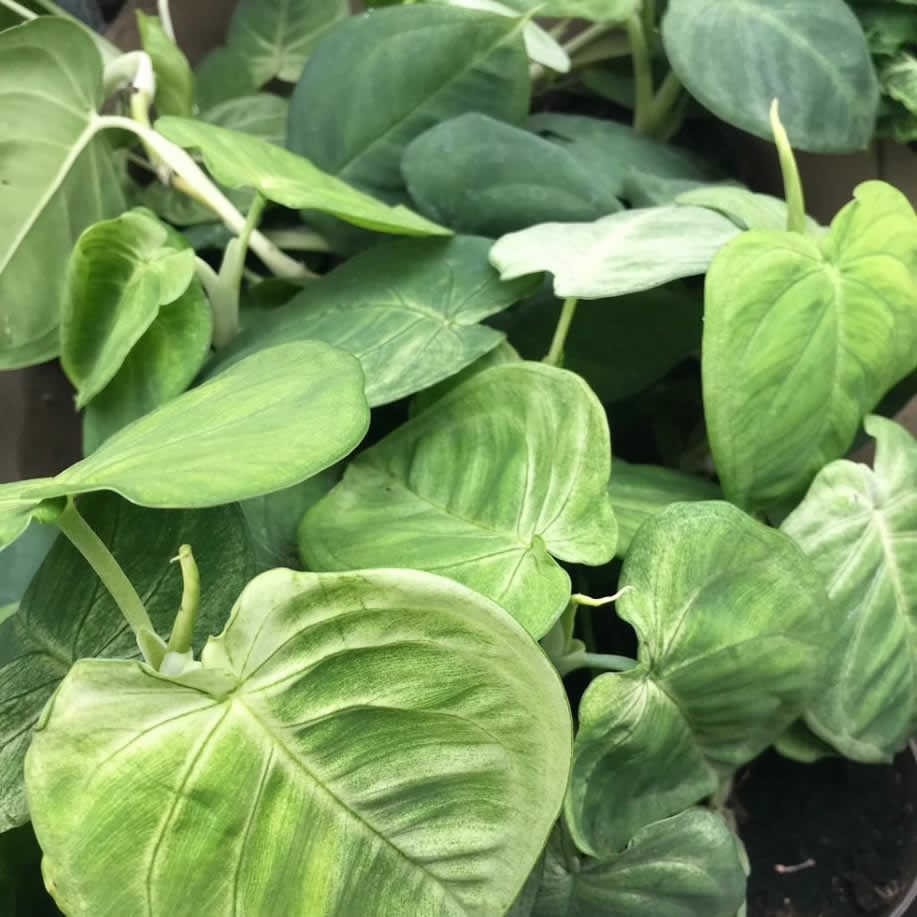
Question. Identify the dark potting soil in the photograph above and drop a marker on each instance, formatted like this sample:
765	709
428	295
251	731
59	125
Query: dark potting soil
852	826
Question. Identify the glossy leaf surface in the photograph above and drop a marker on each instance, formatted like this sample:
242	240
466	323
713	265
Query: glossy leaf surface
409	310
245	161
357	106
811	56
623	253
68	615
392	717
802	337
481	488
859	526
57	178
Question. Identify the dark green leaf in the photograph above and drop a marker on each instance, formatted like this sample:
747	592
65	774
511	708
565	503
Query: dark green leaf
222	75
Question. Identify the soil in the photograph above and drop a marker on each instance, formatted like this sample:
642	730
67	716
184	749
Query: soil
851	827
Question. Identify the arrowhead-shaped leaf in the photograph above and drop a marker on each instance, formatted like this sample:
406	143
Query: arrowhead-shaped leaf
481	488
403	735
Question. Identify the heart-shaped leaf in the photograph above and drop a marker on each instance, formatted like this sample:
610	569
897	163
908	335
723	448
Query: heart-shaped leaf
393	717
50	88
270	421
768	49
357	106
409	309
120	274
481	488
686	866
65	614
859	526
623	253
244	161
802	337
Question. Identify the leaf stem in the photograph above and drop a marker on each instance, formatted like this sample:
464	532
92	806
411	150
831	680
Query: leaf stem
602	661
792	183
587	36
556	352
664	102
165	17
649	16
299	240
183	629
643	72
109	571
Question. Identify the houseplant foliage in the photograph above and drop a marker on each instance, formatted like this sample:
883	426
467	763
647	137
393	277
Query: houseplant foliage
354	332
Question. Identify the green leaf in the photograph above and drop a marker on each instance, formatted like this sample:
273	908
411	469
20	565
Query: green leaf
161	365
55	179
813	57
686	866
261	115
19	563
859	526
391	718
241	160
889	27
745	208
639	492
276	38
802	337
479	175
734	642
799	743
174	79
222	75
623	253
120	274
408	309
270	421
67	615
357	106
596	10
481	488
899	80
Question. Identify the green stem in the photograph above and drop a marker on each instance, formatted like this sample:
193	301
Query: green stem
579	599
109	571
587	36
792	183
165	17
602	661
183	630
299	240
643	72
608	48
558	29
649	16
556	352
664	103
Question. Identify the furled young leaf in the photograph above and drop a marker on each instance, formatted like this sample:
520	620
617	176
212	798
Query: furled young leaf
627	161
623	253
811	56
55	179
276	38
357	105
639	492
67	615
483	176
242	160
745	208
734	641
392	718
899	79
120	274
802	337
859	526
484	487
161	365
686	866
409	309
270	421
174	79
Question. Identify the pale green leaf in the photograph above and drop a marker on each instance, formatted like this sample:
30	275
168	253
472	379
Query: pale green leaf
623	253
261	115
404	736
275	38
55	178
484	488
812	57
859	526
899	79
120	274
639	492
479	175
68	615
686	866
270	421
745	208
408	309
357	105
241	160
174	79
596	10
802	337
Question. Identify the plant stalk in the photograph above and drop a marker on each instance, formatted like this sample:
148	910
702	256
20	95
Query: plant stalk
643	73
792	183
587	36
602	661
555	354
165	17
664	102
183	629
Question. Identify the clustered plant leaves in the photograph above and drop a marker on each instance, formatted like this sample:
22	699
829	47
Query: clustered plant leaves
286	660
